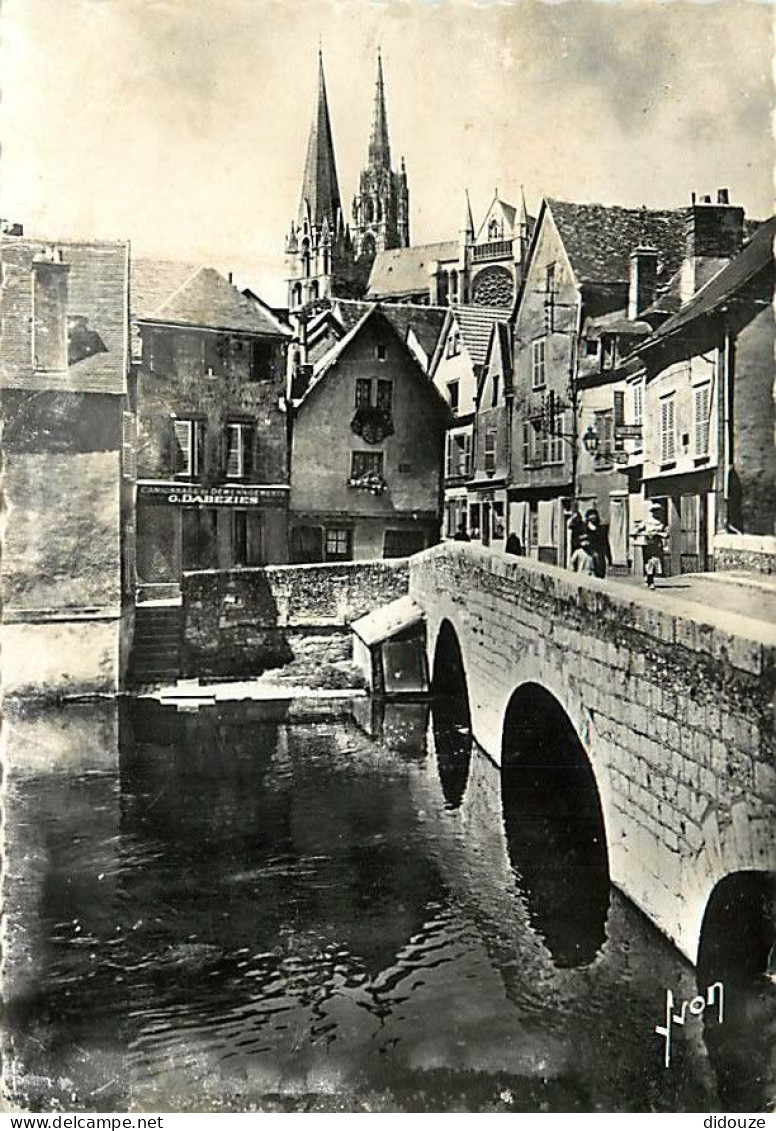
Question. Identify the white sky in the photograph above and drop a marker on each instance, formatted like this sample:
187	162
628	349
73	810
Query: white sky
182	124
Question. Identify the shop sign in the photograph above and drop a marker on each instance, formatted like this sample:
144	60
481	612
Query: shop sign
195	495
627	431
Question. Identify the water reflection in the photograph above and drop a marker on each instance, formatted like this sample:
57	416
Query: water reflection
453	744
219	908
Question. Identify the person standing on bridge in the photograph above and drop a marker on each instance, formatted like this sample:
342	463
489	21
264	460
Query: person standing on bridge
582	560
599	541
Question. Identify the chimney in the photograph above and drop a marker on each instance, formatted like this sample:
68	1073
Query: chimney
714	234
643	277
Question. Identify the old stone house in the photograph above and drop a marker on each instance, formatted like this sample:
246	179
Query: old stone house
211	435
63	387
367	442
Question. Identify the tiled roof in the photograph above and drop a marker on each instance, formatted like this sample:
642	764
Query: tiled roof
97	285
475	324
207	299
405	270
600	238
327	363
426	322
755	257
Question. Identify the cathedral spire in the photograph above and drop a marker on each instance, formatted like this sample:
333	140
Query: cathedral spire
320	188
468	221
379	148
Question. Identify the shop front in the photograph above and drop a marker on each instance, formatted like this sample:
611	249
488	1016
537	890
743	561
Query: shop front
187	526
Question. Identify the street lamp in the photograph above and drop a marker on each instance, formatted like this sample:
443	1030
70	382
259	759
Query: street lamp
590	440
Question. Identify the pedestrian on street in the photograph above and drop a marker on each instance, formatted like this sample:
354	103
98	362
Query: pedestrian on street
576	528
460	534
514	545
599	541
582	560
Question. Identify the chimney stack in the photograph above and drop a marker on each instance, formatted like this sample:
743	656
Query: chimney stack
714	234
643	278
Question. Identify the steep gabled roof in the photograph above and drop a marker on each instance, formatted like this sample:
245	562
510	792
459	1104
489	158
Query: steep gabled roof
757	256
475	324
405	270
207	300
599	238
426	322
500	339
329	361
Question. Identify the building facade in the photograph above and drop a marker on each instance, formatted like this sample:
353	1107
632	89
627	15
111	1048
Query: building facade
368	435
456	370
63	384
709	448
211	428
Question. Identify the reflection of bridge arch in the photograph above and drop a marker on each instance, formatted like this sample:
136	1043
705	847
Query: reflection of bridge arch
554	824
451	716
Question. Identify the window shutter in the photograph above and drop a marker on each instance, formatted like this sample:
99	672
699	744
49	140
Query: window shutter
702	406
667	435
128	446
181	447
233	439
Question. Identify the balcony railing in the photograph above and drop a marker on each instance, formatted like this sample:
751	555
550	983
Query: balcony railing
496	249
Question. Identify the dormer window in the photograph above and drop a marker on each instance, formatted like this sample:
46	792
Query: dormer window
49	314
608	351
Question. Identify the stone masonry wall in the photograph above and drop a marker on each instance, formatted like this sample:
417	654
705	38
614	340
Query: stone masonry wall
240	622
752	552
673	703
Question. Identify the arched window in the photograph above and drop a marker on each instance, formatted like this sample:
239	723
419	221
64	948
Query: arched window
443	288
313	290
453	286
493	232
296	294
326	260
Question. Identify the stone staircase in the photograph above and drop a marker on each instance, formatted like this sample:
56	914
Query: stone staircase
156	645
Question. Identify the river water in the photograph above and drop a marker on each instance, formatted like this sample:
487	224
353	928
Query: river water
246	908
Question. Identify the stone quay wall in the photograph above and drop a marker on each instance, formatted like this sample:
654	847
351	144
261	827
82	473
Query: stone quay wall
752	552
674	704
241	622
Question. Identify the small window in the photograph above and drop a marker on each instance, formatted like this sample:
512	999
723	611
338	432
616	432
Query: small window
591	347
188	436
701	419
365	463
338	544
363	392
213	352
474	520
385	395
239	450
667	430
380	351
555	443
608	351
490	449
262	363
493	232
494	399
453	394
538	373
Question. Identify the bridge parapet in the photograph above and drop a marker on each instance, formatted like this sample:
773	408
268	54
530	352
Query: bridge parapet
672	701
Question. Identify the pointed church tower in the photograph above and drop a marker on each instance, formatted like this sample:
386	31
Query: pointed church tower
381	208
318	246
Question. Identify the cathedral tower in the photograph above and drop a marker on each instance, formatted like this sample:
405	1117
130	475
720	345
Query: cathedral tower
381	208
318	248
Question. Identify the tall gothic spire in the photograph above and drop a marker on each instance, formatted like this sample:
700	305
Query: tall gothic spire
468	221
320	188
379	147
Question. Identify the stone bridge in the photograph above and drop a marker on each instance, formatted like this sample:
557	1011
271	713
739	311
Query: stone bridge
670	705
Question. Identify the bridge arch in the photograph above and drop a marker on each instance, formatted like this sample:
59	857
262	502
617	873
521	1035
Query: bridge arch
451	715
738	932
555	827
